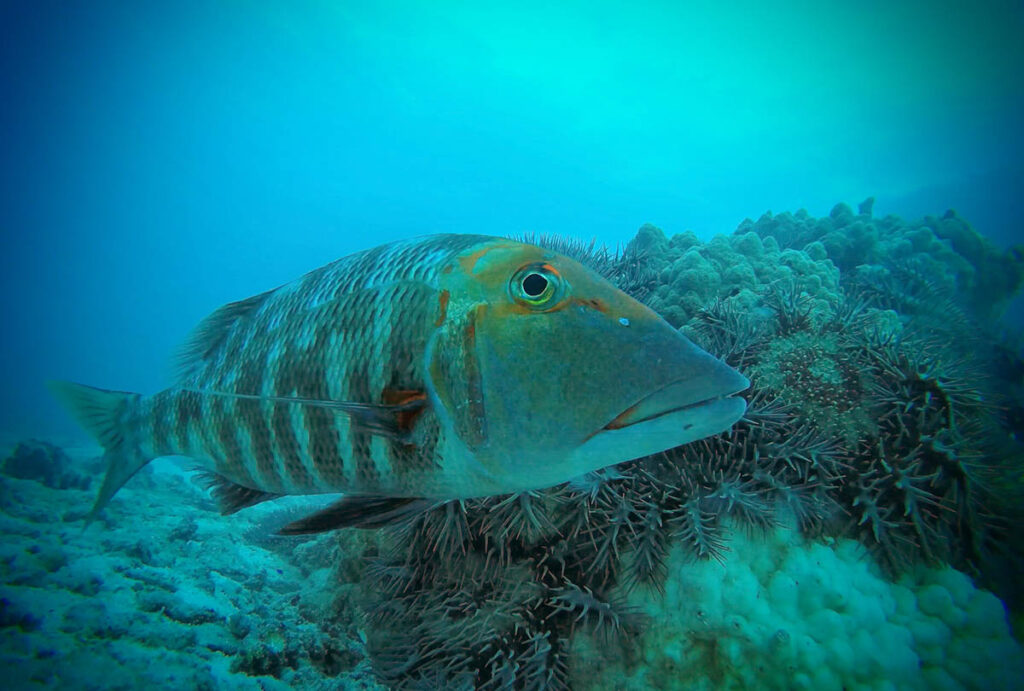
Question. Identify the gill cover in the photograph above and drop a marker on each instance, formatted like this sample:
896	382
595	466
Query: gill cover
545	370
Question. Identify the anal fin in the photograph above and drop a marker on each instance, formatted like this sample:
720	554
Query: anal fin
358	511
230	496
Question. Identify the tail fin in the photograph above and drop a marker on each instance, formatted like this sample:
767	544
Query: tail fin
104	414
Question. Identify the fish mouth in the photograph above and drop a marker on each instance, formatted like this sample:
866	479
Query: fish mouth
685	396
684	410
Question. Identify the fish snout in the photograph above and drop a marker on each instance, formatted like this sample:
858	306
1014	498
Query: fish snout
697	399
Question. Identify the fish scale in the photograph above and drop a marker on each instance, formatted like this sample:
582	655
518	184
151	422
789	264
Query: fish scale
423	370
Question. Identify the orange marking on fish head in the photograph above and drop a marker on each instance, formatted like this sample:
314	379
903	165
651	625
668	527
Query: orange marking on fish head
470	262
442	308
481	312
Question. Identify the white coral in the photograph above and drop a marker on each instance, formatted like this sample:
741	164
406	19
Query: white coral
781	613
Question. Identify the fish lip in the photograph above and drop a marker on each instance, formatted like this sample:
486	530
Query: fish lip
636	414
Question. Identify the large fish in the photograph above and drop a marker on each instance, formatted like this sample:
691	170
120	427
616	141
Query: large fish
443	367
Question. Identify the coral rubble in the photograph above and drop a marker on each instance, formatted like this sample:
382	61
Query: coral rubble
153	597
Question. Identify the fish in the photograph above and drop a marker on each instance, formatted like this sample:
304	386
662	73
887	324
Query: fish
426	370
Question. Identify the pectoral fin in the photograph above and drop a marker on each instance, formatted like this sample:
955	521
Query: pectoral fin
355	511
391	420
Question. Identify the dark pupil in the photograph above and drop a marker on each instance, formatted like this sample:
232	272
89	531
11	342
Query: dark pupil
534	285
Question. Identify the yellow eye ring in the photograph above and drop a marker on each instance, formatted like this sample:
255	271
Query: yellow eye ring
537	285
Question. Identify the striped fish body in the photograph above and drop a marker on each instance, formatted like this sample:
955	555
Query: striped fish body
442	367
355	330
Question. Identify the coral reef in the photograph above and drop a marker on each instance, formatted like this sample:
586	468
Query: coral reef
945	248
45	463
828	540
864	425
895	361
774	612
691	275
913	463
900	363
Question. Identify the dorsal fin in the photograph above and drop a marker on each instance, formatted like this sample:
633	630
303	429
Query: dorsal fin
211	333
356	511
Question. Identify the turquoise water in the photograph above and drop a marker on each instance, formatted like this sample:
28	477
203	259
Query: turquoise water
857	529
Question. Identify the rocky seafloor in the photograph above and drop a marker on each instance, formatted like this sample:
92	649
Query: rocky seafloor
860	528
162	591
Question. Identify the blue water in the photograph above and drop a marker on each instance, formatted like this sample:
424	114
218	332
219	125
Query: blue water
161	159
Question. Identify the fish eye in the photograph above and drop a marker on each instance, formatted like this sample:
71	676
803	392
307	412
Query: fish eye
534	285
537	285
